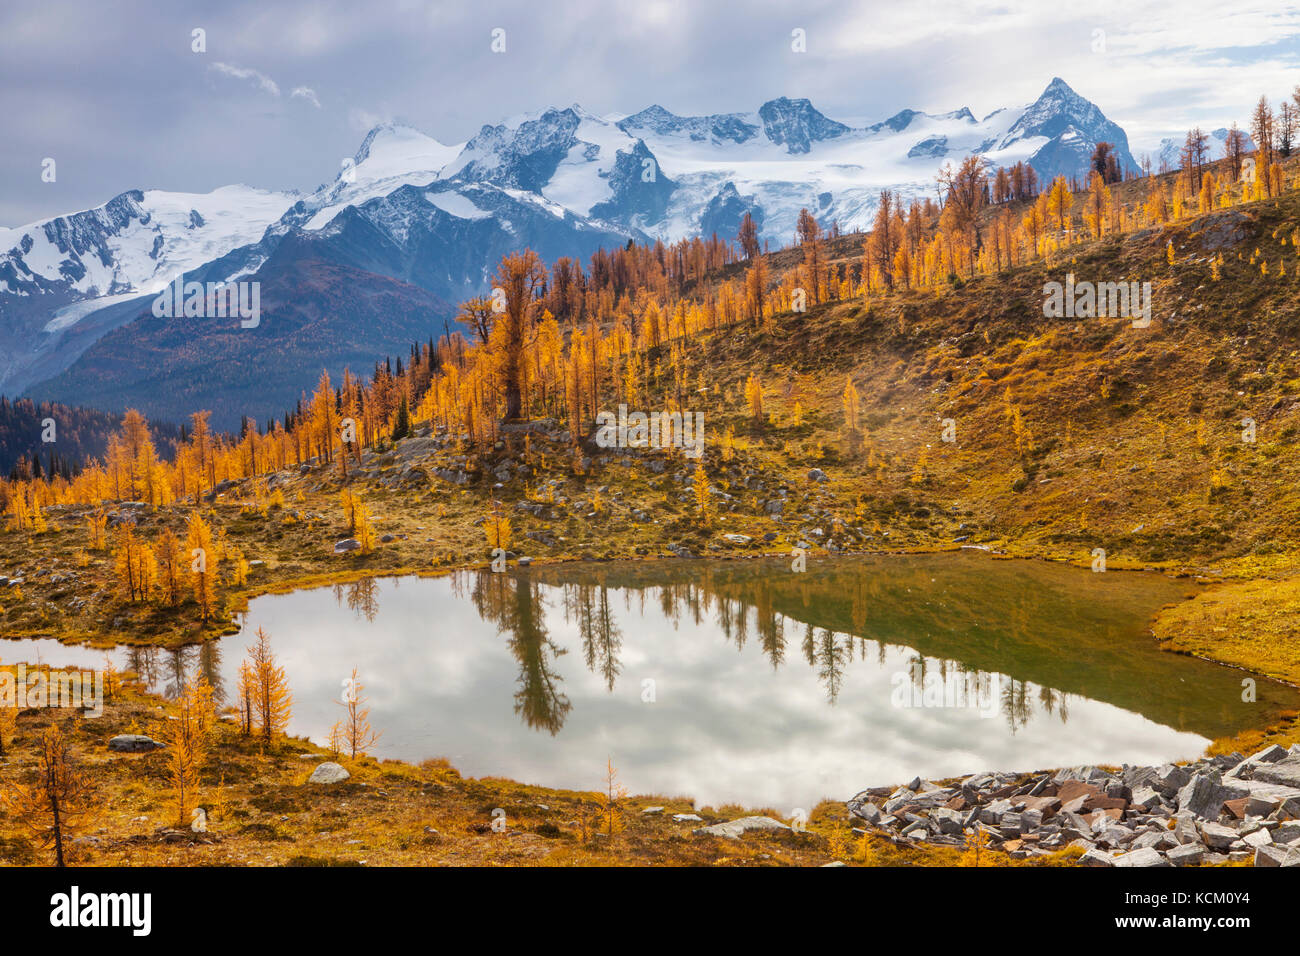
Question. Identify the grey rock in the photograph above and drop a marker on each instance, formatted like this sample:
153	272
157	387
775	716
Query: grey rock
1144	798
1217	836
1284	773
1258	838
1274	855
1169	779
899	798
1245	768
327	773
1156	840
1096	858
1205	793
1287	833
1186	854
133	744
1114	836
733	829
1144	858
867	811
949	821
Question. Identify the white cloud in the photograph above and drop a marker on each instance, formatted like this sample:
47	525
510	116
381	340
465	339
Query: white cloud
305	93
264	82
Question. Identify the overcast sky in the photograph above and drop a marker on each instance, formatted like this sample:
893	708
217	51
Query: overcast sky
113	92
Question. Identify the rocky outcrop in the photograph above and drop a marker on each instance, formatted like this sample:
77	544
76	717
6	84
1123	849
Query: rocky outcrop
1216	810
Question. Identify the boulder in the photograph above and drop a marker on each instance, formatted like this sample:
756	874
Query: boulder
1185	854
1260	806
1287	833
133	744
1218	836
1245	768
1144	798
1205	794
1283	773
1185	829
328	773
346	545
949	821
1258	838
1273	855
867	811
1144	857
1169	779
1096	858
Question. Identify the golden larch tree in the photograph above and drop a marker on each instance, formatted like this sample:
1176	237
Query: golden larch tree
60	802
272	703
204	558
355	732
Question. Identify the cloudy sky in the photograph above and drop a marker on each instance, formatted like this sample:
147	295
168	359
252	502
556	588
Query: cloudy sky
116	95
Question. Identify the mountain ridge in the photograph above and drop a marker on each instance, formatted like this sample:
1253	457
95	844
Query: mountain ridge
562	181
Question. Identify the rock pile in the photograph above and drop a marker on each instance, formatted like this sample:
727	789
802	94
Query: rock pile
1212	811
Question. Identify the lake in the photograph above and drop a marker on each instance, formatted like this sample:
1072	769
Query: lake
740	681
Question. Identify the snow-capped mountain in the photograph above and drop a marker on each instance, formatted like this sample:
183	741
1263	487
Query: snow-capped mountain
56	273
671	176
789	156
135	241
1170	153
412	210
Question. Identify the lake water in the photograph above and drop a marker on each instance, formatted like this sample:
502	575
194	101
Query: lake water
740	681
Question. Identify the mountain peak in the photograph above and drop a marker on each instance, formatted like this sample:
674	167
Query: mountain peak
796	124
398	143
1073	124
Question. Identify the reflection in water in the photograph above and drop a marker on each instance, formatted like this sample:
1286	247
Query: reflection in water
362	597
771	687
516	604
516	607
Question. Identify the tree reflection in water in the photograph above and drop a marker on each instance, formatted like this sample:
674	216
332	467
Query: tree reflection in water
515	603
839	614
